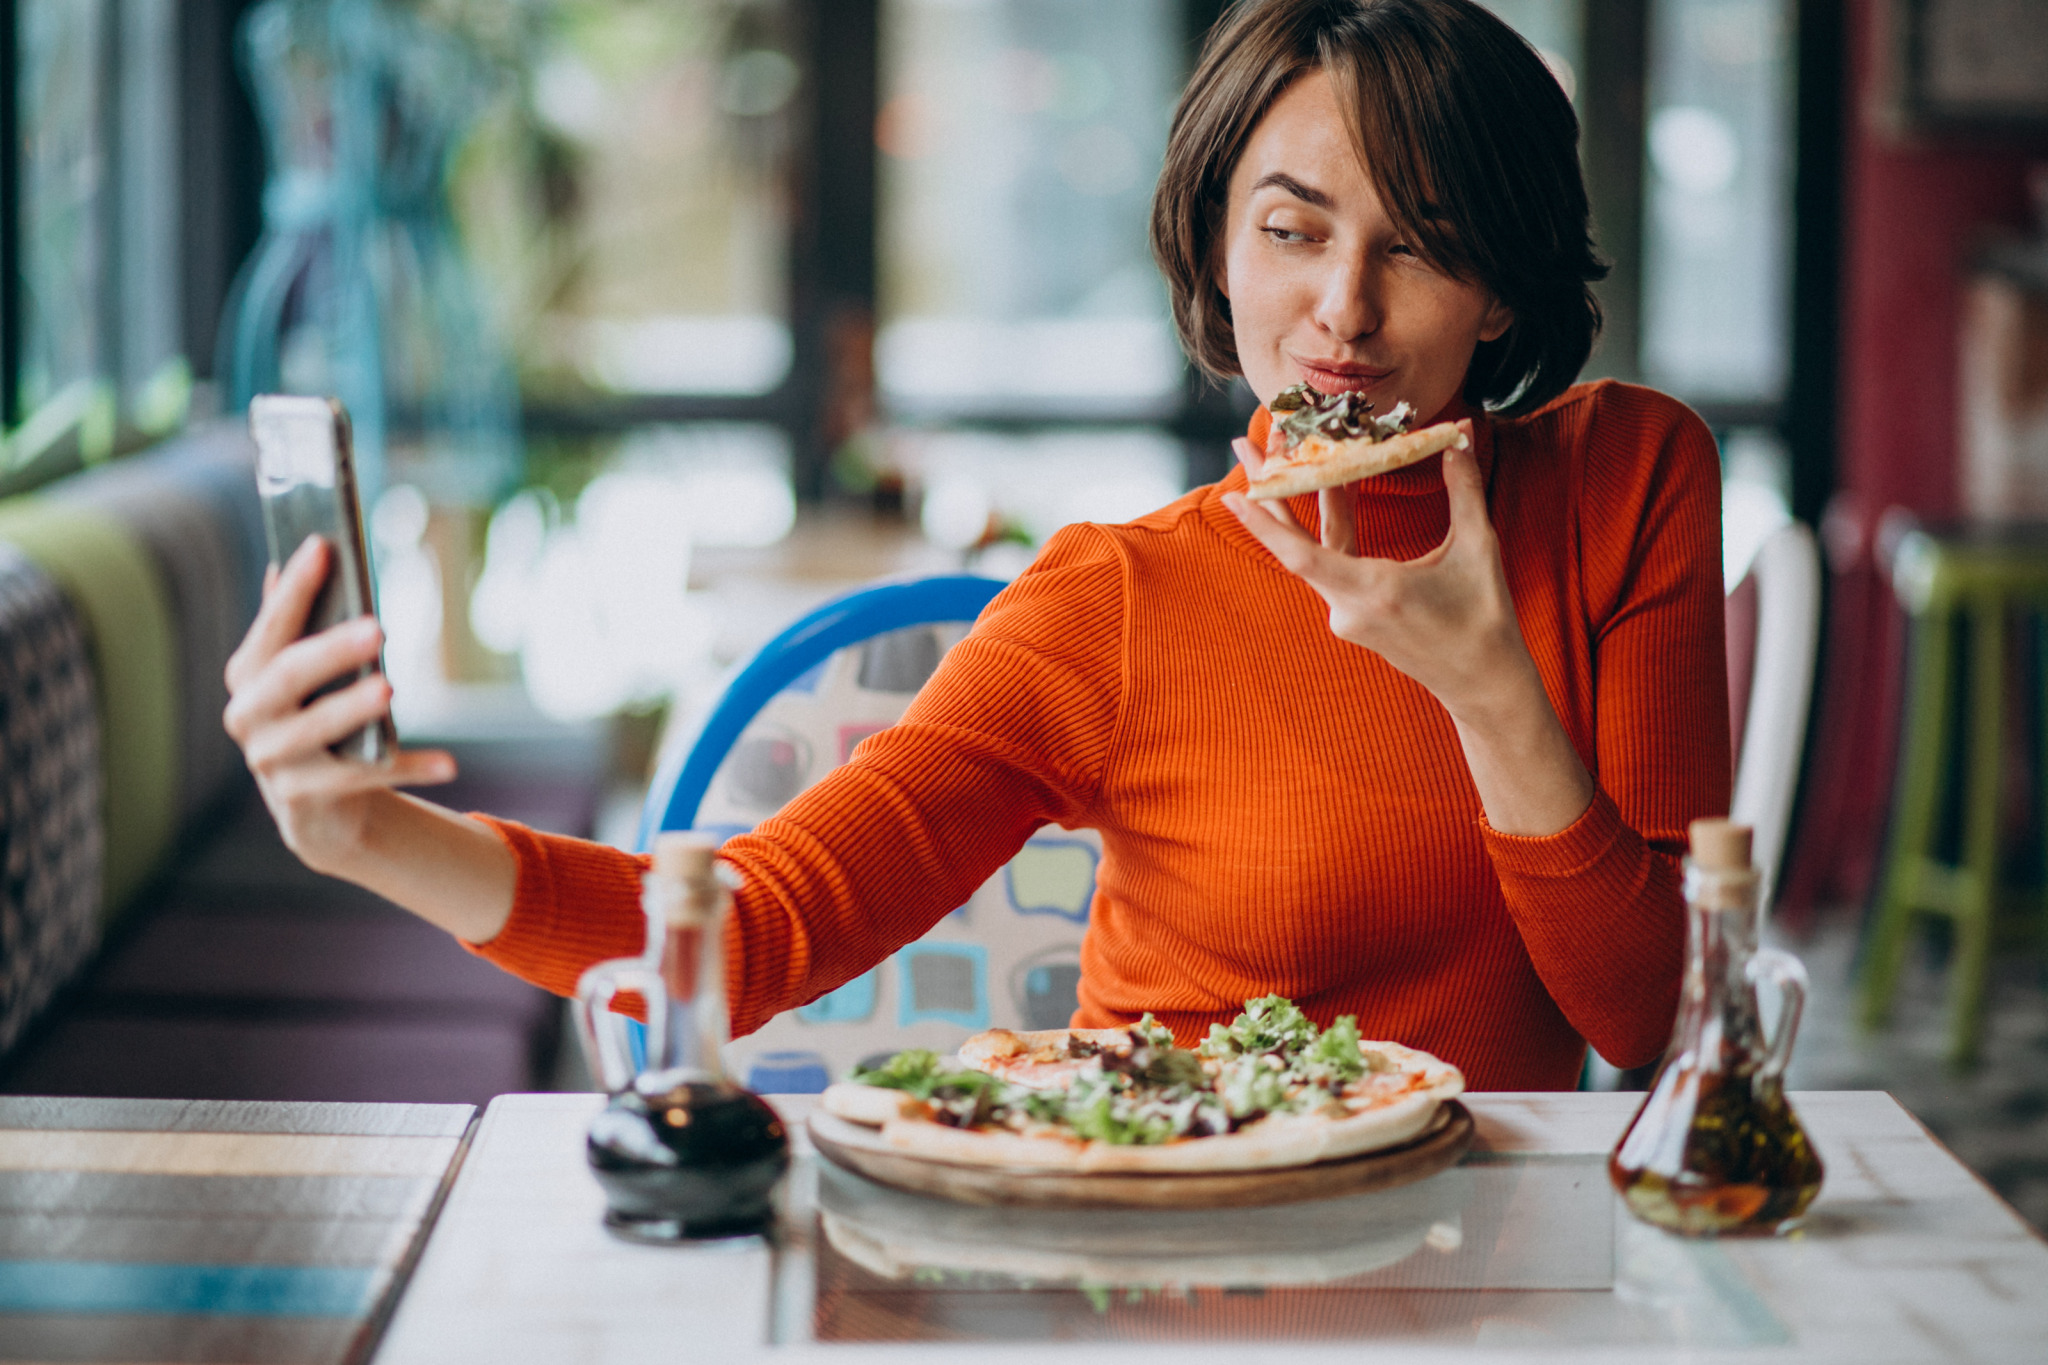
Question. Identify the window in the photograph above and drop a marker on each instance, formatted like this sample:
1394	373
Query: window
96	341
627	201
63	211
1553	29
1717	223
1020	140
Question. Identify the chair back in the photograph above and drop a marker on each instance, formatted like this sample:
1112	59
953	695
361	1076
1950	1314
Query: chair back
1008	957
1770	699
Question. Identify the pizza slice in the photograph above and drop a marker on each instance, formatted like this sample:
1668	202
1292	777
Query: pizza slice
1321	440
1268	1091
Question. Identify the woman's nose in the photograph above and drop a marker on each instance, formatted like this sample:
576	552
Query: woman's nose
1348	306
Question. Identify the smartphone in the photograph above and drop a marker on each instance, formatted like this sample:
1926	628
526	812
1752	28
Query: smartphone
306	477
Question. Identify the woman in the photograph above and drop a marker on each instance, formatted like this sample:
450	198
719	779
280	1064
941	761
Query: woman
1421	749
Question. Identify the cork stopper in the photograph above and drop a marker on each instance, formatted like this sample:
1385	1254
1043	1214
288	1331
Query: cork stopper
687	860
684	855
1720	845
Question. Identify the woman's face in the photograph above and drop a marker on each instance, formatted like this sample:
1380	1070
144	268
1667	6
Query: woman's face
1322	287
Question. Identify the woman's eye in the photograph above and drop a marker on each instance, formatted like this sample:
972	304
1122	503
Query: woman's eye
1289	235
1400	249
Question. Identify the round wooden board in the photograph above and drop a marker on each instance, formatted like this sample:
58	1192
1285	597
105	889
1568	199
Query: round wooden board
862	1151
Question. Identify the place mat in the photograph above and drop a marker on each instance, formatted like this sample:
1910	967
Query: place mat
176	1230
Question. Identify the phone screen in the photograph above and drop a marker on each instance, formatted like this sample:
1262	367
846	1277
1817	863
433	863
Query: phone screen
305	475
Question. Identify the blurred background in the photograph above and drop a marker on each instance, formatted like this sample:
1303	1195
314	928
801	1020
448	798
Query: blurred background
663	321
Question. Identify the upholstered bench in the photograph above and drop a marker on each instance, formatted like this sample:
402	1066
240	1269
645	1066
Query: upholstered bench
156	938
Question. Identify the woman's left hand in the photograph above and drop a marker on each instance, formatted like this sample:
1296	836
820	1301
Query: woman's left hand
1445	619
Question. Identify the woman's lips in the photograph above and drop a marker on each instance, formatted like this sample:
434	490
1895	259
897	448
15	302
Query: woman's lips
1350	379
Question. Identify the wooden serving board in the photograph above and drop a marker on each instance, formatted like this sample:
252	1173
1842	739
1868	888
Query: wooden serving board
861	1150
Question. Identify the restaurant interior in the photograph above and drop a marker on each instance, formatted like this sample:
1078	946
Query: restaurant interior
667	327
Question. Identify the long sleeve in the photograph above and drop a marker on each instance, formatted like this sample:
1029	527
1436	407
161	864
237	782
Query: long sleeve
1008	735
1599	905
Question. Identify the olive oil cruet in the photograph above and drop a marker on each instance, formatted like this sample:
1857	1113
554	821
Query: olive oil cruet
682	1152
1716	1149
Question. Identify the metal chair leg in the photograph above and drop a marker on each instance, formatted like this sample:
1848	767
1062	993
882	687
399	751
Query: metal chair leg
1916	801
1977	904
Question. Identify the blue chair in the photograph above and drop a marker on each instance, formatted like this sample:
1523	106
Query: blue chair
1010	956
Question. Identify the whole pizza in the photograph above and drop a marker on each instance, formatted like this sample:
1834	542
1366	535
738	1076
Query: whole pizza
1270	1090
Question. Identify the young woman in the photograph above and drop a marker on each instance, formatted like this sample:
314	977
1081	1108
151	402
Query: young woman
1422	749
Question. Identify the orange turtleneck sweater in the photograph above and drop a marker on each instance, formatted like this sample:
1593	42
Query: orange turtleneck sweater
1280	811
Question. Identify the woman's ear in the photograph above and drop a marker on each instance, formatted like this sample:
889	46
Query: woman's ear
1499	317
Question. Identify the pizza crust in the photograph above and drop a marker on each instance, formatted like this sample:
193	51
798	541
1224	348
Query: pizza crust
872	1105
1275	1141
1319	462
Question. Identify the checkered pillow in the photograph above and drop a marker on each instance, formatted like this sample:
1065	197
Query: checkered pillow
51	833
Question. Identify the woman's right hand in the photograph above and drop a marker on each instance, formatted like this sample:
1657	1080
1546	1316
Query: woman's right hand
322	803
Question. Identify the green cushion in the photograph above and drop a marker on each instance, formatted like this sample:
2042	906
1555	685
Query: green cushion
113	584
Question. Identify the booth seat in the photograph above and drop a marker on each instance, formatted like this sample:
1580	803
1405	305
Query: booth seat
156	938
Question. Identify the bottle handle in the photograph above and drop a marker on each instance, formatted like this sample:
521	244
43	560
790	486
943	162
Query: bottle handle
1788	974
608	1037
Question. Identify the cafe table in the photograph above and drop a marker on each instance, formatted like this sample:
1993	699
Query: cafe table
190	1230
1520	1253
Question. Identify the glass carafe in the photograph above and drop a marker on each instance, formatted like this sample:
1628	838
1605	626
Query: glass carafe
682	1152
1715	1148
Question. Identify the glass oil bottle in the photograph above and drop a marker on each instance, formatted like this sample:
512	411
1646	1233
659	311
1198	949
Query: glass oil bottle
1715	1149
682	1152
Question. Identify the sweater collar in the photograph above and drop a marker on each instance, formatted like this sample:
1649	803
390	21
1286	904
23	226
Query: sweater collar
1421	479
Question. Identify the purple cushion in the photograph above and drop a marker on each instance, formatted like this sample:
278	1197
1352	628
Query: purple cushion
371	956
359	1059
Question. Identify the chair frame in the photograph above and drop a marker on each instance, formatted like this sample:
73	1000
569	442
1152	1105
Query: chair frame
1773	740
678	789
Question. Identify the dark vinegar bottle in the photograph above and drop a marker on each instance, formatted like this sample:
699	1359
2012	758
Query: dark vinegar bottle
1716	1149
682	1152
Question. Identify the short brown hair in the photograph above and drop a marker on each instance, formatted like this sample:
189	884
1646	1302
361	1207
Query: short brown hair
1471	145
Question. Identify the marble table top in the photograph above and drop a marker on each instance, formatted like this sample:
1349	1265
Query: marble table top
1521	1253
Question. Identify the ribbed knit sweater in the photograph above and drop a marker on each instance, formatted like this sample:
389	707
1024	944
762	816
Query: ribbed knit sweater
1281	811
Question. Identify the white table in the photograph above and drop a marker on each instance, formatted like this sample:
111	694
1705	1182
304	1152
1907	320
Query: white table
1520	1254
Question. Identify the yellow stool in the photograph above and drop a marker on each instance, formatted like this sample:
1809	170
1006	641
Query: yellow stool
1979	579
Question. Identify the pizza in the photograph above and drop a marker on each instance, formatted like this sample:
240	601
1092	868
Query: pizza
1321	440
1267	1091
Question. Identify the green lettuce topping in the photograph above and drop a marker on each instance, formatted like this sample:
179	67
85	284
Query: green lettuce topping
914	1069
960	1097
1271	1059
1336	1053
1150	1031
1271	1023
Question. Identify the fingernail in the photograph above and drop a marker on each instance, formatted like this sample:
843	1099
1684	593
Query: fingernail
306	546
